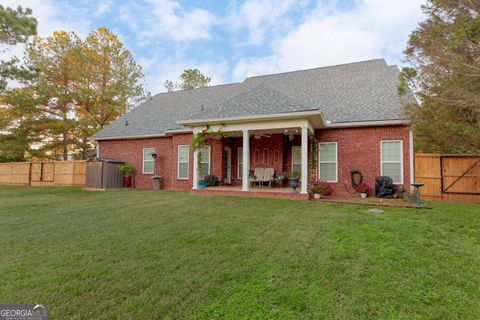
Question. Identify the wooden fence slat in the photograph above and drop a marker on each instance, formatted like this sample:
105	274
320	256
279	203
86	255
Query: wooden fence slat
428	169
44	173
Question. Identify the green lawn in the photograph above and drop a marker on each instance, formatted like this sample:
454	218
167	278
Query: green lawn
165	254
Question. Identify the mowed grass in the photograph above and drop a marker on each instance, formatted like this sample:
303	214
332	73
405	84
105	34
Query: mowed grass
173	255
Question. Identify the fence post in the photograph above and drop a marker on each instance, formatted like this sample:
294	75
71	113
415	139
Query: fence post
30	174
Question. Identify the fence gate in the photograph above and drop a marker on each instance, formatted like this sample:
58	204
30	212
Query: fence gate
42	171
448	177
460	174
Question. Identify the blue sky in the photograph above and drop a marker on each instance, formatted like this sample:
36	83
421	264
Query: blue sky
231	40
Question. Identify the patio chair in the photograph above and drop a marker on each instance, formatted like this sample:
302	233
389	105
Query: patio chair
268	176
258	176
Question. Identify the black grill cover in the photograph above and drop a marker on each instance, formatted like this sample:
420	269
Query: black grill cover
383	187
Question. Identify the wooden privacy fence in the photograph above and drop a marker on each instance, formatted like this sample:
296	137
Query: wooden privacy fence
448	177
44	173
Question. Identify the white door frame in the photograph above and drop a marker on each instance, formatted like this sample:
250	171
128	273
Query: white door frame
228	179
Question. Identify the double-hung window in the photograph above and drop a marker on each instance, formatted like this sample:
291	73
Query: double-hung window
392	160
328	161
205	163
148	161
296	159
183	157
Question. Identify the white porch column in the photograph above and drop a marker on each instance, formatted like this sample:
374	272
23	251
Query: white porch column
304	159
195	169
246	161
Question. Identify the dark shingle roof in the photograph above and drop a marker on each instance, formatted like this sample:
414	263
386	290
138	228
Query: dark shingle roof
260	100
362	91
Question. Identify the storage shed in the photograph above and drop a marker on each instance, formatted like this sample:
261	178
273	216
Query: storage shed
103	173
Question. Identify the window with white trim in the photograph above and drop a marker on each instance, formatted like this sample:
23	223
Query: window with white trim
148	161
392	160
182	166
328	161
296	159
239	163
205	163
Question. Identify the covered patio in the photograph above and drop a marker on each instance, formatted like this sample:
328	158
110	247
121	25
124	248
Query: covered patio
279	142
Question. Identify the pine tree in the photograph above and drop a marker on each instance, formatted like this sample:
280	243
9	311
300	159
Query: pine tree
444	57
189	79
16	26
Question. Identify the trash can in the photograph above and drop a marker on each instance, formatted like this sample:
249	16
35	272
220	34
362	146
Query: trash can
156	182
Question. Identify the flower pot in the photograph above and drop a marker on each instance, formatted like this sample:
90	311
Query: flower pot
202	184
294	184
317	195
363	194
127	181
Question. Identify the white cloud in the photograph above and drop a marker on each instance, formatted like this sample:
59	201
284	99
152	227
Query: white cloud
104	7
328	36
259	16
168	19
160	70
54	16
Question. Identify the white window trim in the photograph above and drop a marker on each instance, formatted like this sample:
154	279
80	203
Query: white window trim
336	161
401	159
187	162
143	161
300	163
239	167
209	159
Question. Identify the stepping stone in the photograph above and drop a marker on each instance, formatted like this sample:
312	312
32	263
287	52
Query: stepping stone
378	211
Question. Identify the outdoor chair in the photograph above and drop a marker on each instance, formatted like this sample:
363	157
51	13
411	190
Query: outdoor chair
268	176
257	176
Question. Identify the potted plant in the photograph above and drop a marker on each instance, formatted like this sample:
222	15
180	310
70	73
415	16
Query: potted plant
282	176
294	180
127	171
321	188
211	180
314	190
363	189
202	183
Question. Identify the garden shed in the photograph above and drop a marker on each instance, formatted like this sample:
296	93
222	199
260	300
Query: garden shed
103	173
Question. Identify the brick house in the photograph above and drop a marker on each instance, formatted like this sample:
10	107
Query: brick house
350	112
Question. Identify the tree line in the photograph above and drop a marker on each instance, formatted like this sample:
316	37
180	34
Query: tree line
67	89
443	57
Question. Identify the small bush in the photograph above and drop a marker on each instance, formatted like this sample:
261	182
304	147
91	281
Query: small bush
363	187
321	187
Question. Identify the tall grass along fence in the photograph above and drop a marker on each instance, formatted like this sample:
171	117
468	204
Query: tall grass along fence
448	177
44	173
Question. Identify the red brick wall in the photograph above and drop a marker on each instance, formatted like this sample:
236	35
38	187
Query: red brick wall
131	151
359	148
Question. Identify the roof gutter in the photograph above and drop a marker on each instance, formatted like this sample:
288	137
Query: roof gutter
256	118
130	137
374	123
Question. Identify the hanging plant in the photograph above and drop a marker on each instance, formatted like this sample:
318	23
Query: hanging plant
313	153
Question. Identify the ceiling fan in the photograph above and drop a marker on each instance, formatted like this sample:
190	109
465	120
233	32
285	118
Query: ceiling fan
261	135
